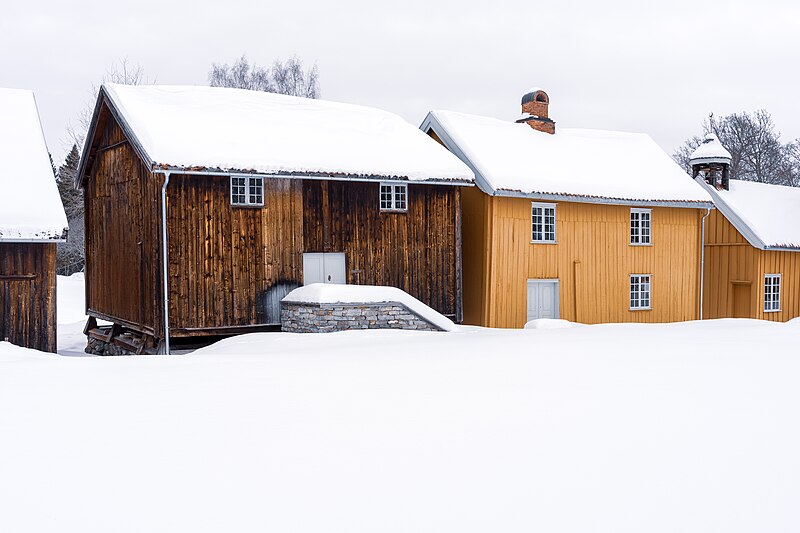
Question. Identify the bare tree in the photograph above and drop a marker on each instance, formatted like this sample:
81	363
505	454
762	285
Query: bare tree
757	153
284	77
120	72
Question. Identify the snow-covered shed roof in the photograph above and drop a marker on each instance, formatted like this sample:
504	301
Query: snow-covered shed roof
30	206
768	216
513	159
214	128
710	151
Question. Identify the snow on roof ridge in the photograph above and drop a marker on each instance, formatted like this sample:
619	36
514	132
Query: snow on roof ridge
25	216
587	163
234	129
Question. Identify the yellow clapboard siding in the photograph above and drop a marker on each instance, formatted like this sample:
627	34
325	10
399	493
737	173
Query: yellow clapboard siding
592	261
731	261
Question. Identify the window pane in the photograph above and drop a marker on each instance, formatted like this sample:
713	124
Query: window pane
537	224
645	228
386	196
399	196
238	190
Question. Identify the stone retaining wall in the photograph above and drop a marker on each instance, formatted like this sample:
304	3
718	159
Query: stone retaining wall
321	318
98	347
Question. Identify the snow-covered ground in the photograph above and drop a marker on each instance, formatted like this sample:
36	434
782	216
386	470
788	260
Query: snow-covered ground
71	311
657	428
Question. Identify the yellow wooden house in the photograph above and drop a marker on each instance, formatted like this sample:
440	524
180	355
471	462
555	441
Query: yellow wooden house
752	242
586	225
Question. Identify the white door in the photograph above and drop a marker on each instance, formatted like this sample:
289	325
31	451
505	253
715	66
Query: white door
324	268
542	298
334	268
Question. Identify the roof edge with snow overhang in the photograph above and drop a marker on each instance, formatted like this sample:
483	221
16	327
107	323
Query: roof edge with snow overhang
741	225
118	113
31	210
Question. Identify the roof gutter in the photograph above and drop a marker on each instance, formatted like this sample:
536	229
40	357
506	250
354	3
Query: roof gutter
603	200
282	175
165	256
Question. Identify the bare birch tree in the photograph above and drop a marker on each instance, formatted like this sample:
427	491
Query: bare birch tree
284	77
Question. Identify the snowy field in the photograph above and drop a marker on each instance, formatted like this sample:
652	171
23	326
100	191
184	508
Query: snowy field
615	428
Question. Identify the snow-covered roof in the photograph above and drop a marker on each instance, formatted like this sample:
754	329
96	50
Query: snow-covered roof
575	164
30	206
710	151
768	216
332	293
240	130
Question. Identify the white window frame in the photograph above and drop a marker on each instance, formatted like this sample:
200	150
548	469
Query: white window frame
398	197
637	303
637	233
543	223
773	283
251	199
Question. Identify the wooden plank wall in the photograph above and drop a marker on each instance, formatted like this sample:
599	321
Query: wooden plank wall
593	260
415	251
731	260
475	228
229	266
122	213
28	295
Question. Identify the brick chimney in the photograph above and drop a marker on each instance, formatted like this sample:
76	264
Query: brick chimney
535	113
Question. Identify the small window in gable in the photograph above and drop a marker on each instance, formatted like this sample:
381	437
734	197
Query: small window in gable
772	293
247	191
641	226
394	197
543	223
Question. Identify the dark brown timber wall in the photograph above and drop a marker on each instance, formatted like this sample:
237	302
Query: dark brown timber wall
122	239
28	295
417	251
230	266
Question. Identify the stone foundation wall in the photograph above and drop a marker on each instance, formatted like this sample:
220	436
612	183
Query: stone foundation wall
322	318
98	347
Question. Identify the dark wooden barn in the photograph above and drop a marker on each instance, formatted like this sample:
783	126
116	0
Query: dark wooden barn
32	221
230	199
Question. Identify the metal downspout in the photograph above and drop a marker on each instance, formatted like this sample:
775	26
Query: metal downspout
703	257
165	260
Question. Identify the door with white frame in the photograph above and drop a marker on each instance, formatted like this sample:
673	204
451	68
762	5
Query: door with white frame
324	268
543	299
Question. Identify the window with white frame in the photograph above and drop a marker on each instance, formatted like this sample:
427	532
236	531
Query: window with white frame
394	197
772	292
543	222
640	291
247	190
640	226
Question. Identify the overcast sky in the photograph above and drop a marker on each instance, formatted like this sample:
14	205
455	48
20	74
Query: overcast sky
635	66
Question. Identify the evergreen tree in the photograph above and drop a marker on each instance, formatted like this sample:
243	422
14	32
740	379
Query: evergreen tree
71	197
70	255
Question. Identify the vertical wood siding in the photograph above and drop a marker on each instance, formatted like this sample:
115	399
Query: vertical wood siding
230	266
415	250
28	295
592	261
122	213
732	261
